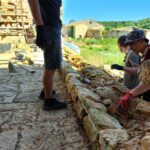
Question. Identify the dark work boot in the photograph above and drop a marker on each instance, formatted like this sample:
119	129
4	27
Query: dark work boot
53	104
42	95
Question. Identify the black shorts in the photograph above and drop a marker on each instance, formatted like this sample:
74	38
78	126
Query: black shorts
52	50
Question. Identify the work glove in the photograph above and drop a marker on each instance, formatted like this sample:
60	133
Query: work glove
124	101
117	67
41	37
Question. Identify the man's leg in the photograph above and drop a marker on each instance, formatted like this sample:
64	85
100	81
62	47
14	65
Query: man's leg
48	82
52	61
50	103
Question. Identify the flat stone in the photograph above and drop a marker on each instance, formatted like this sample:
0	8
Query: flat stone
28	97
66	68
94	72
31	86
103	120
110	138
120	88
73	82
106	93
72	75
143	108
9	87
90	129
4	78
88	104
86	93
7	97
8	140
4	72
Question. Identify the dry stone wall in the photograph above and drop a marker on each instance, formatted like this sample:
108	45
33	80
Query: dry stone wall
95	94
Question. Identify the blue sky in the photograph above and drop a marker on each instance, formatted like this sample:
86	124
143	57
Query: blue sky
105	10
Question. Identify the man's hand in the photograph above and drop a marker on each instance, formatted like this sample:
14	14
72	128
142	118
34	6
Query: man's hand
117	67
41	37
124	101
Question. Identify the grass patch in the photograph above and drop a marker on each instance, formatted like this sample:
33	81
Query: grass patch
100	51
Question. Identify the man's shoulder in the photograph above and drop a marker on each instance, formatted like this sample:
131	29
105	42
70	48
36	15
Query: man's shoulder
131	54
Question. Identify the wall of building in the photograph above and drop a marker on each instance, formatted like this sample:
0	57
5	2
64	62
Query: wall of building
93	34
80	30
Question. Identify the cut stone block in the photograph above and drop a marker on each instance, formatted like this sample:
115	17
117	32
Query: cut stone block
90	129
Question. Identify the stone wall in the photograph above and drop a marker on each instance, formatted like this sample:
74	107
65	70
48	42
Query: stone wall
95	94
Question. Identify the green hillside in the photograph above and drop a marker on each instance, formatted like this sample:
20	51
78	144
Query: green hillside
109	25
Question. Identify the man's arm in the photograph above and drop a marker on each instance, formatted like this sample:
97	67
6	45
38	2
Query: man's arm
141	88
35	9
41	38
131	70
124	101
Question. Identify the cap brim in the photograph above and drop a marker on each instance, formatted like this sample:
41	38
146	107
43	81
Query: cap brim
131	41
146	40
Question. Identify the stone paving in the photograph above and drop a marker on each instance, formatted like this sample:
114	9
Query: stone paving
23	123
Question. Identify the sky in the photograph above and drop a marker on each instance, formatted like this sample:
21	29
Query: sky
105	10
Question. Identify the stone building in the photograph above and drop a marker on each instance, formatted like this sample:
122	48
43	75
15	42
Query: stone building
115	33
83	29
